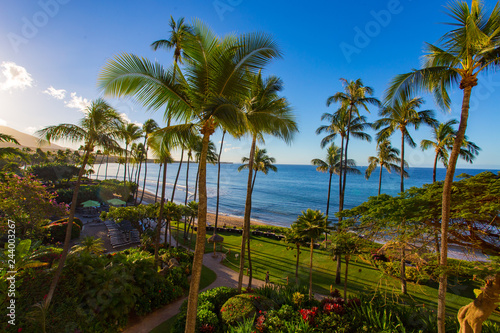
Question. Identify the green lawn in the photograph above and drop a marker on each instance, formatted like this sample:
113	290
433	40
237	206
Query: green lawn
273	256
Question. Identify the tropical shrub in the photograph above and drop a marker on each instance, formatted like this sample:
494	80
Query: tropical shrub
244	306
97	293
56	231
54	171
29	204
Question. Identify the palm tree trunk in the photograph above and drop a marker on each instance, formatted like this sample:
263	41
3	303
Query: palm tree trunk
137	180
158	182
253	181
329	189
246	220
177	177
347	257
160	214
403	265
106	171
435	167
118	170
250	272
218	183
67	238
99	167
125	166
402	161
207	130
297	266
345	155
145	171
311	269
445	213
380	180
341	203
196	182
187	181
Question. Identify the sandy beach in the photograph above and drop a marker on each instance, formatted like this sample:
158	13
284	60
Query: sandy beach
228	220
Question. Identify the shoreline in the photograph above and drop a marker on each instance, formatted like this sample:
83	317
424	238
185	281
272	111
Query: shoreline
223	219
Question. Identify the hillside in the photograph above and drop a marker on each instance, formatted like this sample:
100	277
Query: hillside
26	140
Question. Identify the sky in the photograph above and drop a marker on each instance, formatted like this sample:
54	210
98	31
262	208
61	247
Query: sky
51	53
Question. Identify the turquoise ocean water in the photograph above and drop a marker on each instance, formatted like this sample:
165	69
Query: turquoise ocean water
278	198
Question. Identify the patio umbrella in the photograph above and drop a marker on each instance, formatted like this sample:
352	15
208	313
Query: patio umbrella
116	202
216	239
91	203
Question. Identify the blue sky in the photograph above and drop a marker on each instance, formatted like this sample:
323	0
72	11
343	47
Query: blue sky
63	44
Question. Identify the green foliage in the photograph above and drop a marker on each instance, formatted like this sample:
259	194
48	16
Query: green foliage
29	204
134	214
97	293
239	307
103	191
270	228
56	231
420	208
54	171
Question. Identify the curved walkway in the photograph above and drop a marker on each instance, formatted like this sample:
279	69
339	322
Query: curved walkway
226	277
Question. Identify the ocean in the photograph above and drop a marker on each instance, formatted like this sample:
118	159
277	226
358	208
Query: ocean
279	197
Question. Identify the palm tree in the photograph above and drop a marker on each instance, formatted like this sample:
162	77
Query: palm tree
176	39
206	92
148	128
100	127
218	183
262	162
311	225
400	116
341	123
129	133
9	151
443	137
265	113
386	156
355	96
332	165
471	47
160	145
294	237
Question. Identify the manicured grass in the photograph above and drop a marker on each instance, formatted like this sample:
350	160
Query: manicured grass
273	256
208	276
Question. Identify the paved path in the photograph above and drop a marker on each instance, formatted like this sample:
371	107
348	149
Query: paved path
226	277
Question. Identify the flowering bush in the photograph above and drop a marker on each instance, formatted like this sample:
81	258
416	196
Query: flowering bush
309	315
29	203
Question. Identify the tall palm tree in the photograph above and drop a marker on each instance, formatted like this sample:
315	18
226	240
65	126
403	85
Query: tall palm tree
265	113
176	39
311	225
262	162
355	96
148	128
218	182
443	137
332	165
386	158
400	116
342	123
470	48
161	144
100	127
129	132
206	92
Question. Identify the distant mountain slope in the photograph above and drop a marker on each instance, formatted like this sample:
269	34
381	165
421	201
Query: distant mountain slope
26	140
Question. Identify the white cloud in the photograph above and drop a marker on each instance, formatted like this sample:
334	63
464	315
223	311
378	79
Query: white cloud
56	93
77	102
3	122
231	148
32	129
127	120
16	77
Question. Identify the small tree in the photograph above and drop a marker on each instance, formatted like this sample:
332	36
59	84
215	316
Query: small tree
311	225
